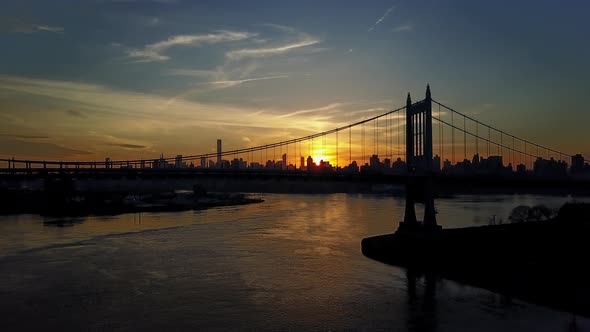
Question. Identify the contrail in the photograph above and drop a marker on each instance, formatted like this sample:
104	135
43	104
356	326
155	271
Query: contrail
381	19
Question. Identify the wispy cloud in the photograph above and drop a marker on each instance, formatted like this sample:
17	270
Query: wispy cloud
153	21
218	78
193	72
229	83
228	71
312	110
132	109
18	147
15	25
382	18
25	136
75	113
128	146
262	52
49	28
368	110
403	28
282	28
154	52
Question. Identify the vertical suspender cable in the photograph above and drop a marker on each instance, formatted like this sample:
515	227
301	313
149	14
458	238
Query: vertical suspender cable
336	149
363	142
386	137
442	136
499	145
477	138
452	138
464	138
512	161
398	133
349	145
489	139
376	137
419	132
525	156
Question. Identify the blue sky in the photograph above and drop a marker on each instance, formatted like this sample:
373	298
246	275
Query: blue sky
132	78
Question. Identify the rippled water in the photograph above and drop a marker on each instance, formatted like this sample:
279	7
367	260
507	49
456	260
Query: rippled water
292	262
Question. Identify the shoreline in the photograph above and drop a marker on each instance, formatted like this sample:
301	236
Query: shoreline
49	204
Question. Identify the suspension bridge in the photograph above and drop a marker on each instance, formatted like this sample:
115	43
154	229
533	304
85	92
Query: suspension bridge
450	142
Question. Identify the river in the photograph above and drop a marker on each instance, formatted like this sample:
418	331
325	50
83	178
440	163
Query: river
292	262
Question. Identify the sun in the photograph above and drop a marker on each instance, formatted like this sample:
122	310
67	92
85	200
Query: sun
317	159
321	155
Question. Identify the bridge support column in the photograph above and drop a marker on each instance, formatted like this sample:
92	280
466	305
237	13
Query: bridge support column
429	211
410	212
419	184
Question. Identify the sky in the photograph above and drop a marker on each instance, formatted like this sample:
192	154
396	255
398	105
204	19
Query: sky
128	79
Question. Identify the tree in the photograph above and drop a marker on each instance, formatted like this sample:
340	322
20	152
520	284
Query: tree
540	212
519	214
524	213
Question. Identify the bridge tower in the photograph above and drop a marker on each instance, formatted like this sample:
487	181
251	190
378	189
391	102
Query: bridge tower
419	161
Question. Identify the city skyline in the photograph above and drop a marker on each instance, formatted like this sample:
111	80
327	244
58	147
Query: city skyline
496	165
133	79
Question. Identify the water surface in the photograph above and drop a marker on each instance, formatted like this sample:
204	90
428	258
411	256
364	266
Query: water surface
292	262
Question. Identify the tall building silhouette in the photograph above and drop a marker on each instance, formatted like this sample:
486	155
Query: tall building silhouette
284	165
310	165
577	163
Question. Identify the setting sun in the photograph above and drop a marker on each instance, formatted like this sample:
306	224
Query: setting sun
322	155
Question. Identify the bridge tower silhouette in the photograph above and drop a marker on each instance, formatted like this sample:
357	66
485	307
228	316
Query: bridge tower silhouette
419	162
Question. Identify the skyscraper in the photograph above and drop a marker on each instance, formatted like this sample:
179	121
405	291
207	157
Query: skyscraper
284	165
310	164
577	163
